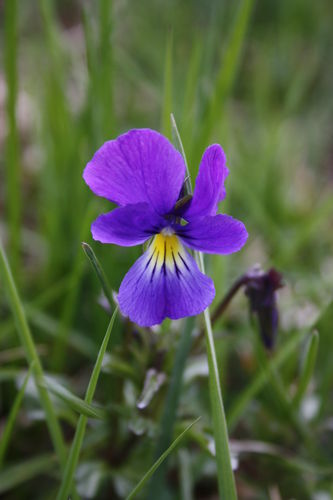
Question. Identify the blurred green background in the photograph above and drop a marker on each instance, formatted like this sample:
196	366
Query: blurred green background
255	77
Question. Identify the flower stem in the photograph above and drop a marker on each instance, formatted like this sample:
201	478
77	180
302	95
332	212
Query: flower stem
225	475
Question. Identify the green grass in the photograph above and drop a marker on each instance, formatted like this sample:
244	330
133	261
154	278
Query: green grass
254	77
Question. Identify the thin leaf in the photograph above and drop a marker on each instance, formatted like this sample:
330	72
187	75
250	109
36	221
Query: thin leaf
260	380
226	75
179	145
12	145
171	405
15	475
73	401
185	474
167	98
59	353
158	462
308	368
32	356
74	454
99	272
7	432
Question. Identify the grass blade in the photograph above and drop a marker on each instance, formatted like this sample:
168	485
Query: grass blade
225	475
12	417
74	454
73	401
170	407
99	272
308	368
32	356
15	475
105	76
260	380
13	204
158	462
68	311
225	77
167	98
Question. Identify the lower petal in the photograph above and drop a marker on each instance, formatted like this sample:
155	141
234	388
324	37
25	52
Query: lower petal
164	283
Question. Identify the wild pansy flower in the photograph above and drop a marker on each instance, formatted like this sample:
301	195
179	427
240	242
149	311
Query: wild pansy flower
143	174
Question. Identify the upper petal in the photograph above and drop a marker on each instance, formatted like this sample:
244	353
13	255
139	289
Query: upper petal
218	234
209	186
139	166
164	282
127	226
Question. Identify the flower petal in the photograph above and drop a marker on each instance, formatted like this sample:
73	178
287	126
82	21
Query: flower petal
139	166
164	282
127	226
219	234
209	187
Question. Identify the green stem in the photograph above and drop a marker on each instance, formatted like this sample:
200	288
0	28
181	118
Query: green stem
225	475
32	357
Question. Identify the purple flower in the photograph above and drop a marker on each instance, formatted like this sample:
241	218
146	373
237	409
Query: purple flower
143	173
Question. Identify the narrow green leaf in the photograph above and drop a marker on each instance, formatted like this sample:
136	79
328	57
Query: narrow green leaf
226	75
179	145
225	475
99	272
167	98
281	397
158	462
13	198
73	401
11	374
15	475
260	380
32	355
7	432
74	453
105	67
171	405
50	326
192	85
186	481
308	368
59	352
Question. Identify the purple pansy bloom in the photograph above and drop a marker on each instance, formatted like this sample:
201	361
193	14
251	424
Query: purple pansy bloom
143	173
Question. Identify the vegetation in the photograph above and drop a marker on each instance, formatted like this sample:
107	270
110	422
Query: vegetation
89	408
